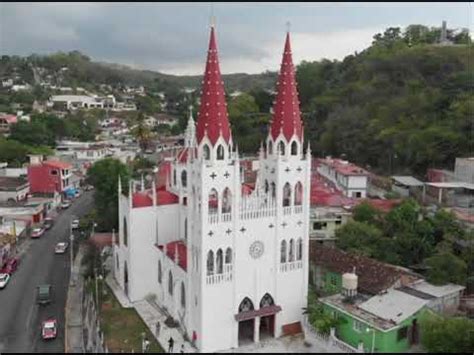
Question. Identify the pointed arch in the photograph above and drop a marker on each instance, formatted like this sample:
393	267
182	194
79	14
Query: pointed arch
228	256
281	148
206	151
210	263
220	152
298	194
291	253
283	251
213	201
267	187
226	201
270	147
299	249
266	301
273	189
294	148
184	178
286	195
219	262
246	305
183	295
170	283
174	177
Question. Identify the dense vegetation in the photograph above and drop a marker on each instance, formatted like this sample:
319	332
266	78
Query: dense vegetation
410	237
403	104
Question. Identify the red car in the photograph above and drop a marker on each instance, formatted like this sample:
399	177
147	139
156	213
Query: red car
49	329
37	232
10	266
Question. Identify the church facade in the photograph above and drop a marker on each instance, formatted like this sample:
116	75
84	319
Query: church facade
228	262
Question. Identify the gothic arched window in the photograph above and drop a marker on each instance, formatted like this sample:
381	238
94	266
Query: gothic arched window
273	190
186	229
298	194
246	305
184	178
266	301
228	256
210	263
219	262
294	148
270	147
117	262
213	201
299	249
206	152
170	283
283	251
174	177
291	256
266	186
226	201
160	272
281	148
183	296
220	152
286	195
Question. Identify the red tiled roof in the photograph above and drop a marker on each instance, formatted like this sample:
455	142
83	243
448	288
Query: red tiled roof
10	119
101	240
343	167
145	198
213	117
382	205
322	194
183	155
247	189
287	116
373	276
179	246
57	164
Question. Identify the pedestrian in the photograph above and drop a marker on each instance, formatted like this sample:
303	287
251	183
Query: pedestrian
182	349
158	328
171	344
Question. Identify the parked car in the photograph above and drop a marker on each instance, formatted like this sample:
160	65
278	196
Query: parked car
4	278
61	248
75	224
77	194
49	329
65	204
43	295
48	222
89	188
37	232
10	266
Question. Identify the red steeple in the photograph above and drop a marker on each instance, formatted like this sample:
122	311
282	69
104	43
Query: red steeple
213	117
286	110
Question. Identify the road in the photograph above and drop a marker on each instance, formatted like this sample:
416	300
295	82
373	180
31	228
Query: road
20	316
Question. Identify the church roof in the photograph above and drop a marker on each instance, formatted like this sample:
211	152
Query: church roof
213	119
145	198
181	248
286	110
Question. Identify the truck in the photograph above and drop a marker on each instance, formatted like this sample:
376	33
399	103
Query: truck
43	295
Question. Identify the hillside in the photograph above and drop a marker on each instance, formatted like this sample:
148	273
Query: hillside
75	69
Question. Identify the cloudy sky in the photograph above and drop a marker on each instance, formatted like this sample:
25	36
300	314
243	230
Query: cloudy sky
173	37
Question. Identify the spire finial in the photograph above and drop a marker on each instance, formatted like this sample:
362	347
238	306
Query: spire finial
288	26
213	18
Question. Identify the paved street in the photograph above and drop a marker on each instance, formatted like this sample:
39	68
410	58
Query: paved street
20	316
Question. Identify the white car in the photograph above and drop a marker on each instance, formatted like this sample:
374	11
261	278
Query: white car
75	224
65	204
4	278
60	248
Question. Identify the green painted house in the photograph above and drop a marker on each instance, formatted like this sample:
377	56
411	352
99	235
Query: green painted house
384	323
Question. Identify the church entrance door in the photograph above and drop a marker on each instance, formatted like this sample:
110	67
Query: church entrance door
267	327
246	330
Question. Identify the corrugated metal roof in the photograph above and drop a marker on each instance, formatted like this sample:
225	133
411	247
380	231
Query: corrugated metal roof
408	180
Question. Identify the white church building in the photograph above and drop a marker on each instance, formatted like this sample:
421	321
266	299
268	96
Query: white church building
229	263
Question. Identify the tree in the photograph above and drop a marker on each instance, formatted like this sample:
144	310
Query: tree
446	335
32	133
103	175
359	238
366	213
142	133
445	267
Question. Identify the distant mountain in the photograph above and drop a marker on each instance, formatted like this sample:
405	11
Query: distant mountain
83	72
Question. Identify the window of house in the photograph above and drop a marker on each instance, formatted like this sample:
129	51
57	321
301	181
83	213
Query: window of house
358	326
402	333
319	225
338	223
333	280
358	194
54	172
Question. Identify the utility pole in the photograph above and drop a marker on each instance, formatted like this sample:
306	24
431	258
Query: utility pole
96	289
71	251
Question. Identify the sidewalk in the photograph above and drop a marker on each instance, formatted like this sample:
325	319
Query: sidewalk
150	315
74	342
